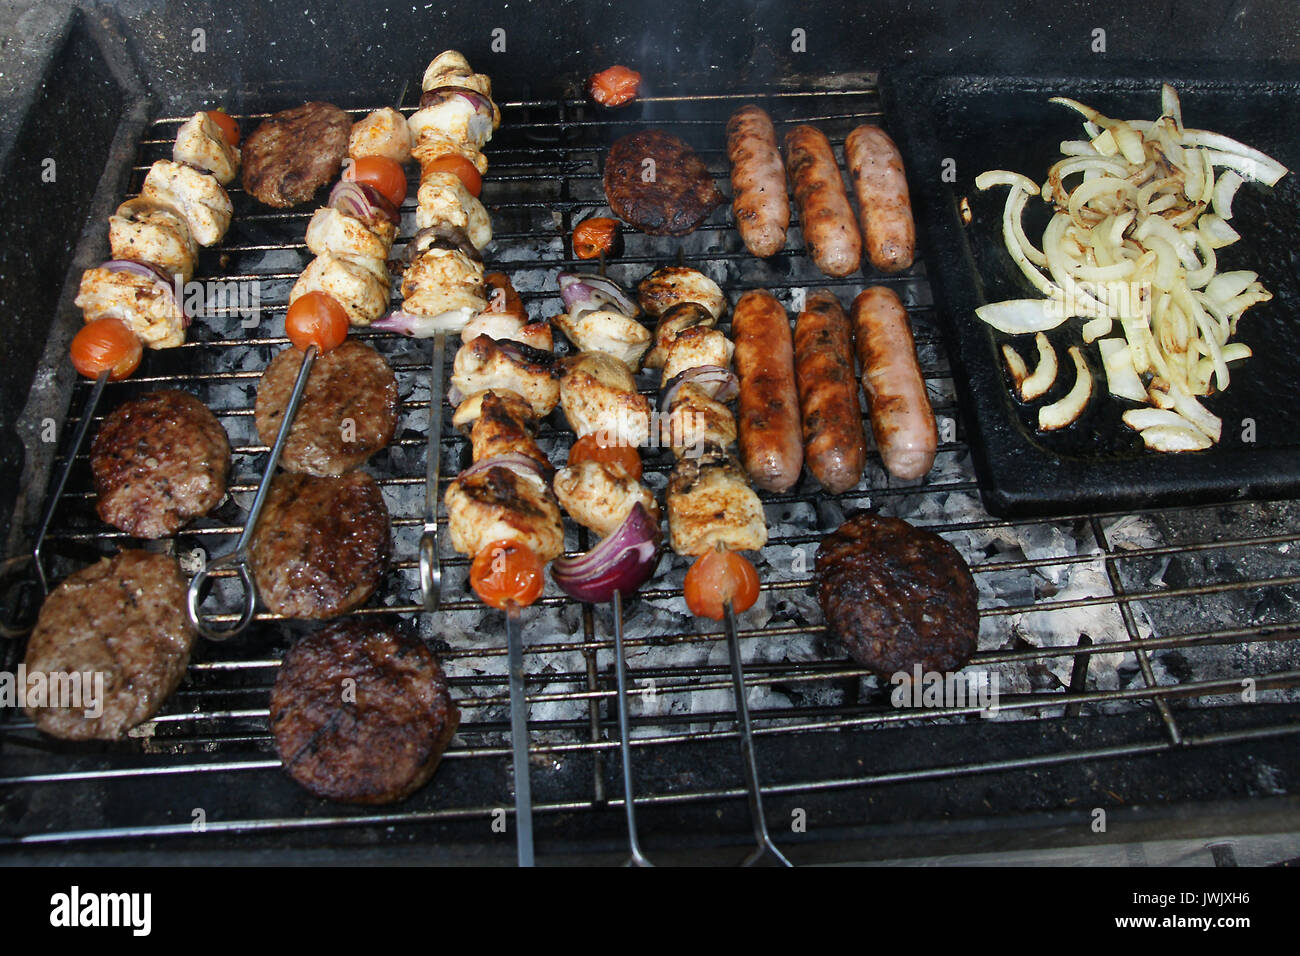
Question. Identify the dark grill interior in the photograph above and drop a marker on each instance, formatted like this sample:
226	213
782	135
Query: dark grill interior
1202	599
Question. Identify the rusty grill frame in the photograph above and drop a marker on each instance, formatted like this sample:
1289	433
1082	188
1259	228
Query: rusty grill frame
213	713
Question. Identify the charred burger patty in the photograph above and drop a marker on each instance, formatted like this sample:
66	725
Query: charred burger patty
896	596
658	184
361	713
295	152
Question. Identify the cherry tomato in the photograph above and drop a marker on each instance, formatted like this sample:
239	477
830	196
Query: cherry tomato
460	167
717	576
229	128
382	173
502	297
106	344
597	235
622	458
506	573
316	319
616	86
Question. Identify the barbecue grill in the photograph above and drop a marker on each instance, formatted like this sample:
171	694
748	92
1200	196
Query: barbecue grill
1148	661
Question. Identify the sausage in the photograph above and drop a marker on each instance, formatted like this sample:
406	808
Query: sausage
901	417
768	413
761	206
829	231
884	208
835	445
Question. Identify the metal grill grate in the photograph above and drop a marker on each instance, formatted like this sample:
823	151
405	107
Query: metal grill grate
1199	599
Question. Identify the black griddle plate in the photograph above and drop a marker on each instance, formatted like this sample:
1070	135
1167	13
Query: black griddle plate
984	122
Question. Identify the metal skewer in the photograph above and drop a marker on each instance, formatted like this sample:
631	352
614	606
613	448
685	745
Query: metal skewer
766	850
430	566
519	739
20	573
637	858
239	558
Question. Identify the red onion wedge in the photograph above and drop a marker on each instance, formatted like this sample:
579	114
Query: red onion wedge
424	326
720	383
517	462
584	293
622	562
362	202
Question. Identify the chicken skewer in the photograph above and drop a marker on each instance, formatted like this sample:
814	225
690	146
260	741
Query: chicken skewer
600	488
133	300
713	512
351	237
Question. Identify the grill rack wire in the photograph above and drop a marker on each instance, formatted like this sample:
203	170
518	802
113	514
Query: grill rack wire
545	176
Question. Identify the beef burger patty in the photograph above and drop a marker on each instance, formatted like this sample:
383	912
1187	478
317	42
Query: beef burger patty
122	618
295	152
361	713
670	198
321	545
348	410
896	596
158	461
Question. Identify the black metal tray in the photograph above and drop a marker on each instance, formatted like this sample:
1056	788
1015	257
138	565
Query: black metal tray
980	122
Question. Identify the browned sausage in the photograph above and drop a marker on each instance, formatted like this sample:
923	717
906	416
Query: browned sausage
835	446
825	216
768	412
761	206
884	209
901	417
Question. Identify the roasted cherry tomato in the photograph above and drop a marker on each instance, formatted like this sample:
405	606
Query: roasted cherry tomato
622	457
598	235
719	576
229	128
502	297
616	86
460	167
106	345
316	319
383	174
506	573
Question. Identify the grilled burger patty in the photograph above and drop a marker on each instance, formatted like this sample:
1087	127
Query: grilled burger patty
321	545
361	713
123	618
680	194
295	152
348	410
896	596
158	461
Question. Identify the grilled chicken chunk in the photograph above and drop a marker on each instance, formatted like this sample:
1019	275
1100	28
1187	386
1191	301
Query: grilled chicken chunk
694	347
696	421
148	307
201	143
598	394
332	231
469	409
433	144
359	285
443	280
381	133
484	363
443	198
153	232
502	425
198	196
607	331
508	327
500	504
683	316
710	503
448	112
600	497
672	285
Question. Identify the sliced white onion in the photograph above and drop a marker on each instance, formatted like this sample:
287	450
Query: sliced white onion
1122	378
1037	384
1067	409
1224	192
1022	316
1175	438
